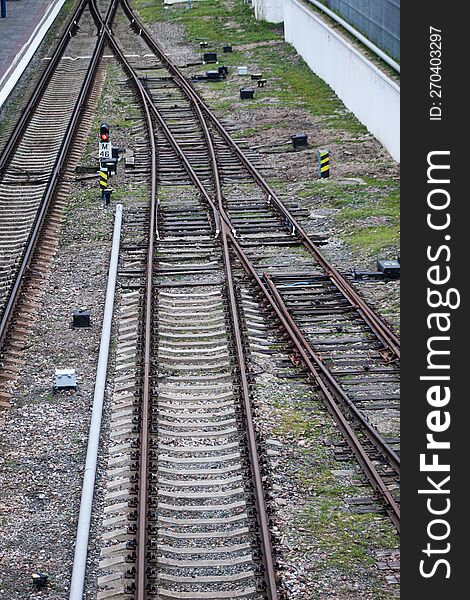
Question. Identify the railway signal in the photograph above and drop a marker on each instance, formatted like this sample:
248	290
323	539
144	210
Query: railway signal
104	132
106	153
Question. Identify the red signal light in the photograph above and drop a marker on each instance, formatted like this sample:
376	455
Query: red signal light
104	132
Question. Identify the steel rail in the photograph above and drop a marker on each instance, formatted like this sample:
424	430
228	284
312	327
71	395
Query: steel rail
302	346
144	446
142	506
161	122
375	322
14	293
356	446
260	501
40	88
334	386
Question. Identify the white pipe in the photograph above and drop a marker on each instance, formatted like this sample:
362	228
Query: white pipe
357	35
84	517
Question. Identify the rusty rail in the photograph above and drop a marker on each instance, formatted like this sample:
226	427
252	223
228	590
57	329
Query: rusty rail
309	358
329	387
223	227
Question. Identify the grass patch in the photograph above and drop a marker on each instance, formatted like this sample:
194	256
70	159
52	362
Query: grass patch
291	82
369	215
374	239
212	20
347	538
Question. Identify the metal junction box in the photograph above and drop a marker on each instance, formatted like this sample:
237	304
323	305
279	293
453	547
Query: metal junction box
299	141
246	93
81	318
65	379
210	57
390	268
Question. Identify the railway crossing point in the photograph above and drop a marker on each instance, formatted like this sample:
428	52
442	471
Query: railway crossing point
323	163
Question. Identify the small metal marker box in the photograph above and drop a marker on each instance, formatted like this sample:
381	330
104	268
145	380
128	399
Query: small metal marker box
81	318
210	57
246	93
40	579
227	48
213	75
243	70
390	268
65	379
299	141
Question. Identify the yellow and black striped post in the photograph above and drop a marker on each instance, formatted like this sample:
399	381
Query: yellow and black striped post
103	179
323	163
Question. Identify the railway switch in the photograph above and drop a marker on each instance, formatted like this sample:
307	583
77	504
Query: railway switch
247	93
65	379
386	270
299	141
81	318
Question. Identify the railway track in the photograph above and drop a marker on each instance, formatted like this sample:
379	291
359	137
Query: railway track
186	135
34	158
259	228
186	506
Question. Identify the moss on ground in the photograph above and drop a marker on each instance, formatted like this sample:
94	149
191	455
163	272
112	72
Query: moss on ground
368	213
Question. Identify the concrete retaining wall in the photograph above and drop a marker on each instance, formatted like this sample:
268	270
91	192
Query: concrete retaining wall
372	96
269	10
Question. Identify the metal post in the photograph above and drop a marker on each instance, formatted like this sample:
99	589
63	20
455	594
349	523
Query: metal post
84	517
4	9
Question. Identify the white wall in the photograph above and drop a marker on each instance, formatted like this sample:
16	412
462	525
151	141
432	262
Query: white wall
372	96
269	10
